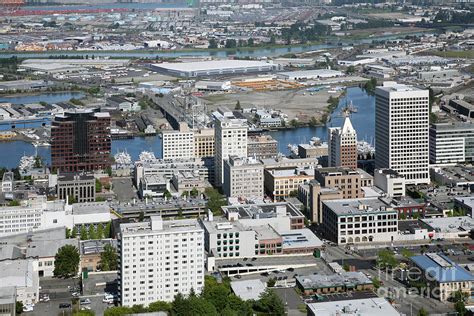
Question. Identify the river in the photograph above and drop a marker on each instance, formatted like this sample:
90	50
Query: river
363	121
50	98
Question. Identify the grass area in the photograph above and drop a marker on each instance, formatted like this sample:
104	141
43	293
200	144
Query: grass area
454	53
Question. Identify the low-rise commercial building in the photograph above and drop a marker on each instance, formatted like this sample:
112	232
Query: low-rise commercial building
443	276
354	221
281	182
367	306
77	186
349	181
333	283
188	181
390	181
91	250
450	227
22	274
44	251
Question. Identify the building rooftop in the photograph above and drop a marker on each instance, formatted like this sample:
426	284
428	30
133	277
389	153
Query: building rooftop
248	289
157	224
264	210
292	172
300	238
337	171
18	273
318	281
48	248
357	206
75	176
211	65
441	268
7	295
90	208
391	86
366	307
450	224
88	247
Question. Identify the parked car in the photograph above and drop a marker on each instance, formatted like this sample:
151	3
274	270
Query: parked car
85	301
64	305
27	308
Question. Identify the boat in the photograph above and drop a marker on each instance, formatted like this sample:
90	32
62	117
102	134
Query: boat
123	158
26	162
147	156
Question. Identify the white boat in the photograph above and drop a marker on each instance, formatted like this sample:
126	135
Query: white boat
26	162
147	156
123	158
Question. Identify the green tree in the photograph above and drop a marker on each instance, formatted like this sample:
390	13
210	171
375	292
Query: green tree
294	193
92	234
19	307
313	121
68	233
215	200
350	70
141	216
100	231
271	282
212	43
14	203
108	258
74	232
270	303
422	312
386	259
194	192
83	232
459	302
185	194
38	162
66	262
167	194
83	313
108	230
159	306
98	186
250	42
179	305
238	107
406	253
294	123
118	311
71	200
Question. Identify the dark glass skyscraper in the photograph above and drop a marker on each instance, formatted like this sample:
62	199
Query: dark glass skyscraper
80	141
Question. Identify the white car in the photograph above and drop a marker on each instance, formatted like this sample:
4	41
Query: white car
109	299
27	308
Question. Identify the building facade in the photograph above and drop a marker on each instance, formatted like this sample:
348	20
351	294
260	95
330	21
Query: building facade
243	177
389	181
159	259
81	187
342	146
349	181
231	140
355	221
451	143
80	141
262	147
204	143
178	144
401	131
280	183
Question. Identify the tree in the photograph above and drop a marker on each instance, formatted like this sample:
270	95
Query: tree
250	42
422	312
92	233
386	259
185	194
212	43
83	232
14	203
71	200
230	43
19	307
141	216
459	298
406	253
100	231
294	193
108	230
313	121
38	162
118	311
83	313
68	233
270	303
167	194
215	200
159	306
98	186
271	282
194	192
108	258
350	70
74	232
238	107
294	123
66	262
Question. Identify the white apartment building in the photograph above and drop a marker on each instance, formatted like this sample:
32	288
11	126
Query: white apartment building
178	144
7	182
159	259
243	177
231	140
355	221
389	181
401	131
342	146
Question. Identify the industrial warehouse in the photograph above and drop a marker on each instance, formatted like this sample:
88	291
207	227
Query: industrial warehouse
215	68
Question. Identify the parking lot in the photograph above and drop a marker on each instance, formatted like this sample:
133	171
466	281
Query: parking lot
124	189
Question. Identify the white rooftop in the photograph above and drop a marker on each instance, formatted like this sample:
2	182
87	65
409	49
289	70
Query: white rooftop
210	65
362	307
248	289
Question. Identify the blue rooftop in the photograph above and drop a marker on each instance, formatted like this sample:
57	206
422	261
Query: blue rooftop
441	268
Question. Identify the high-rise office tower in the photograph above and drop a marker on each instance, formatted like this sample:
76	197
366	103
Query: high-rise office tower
80	140
342	146
159	259
401	131
231	140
